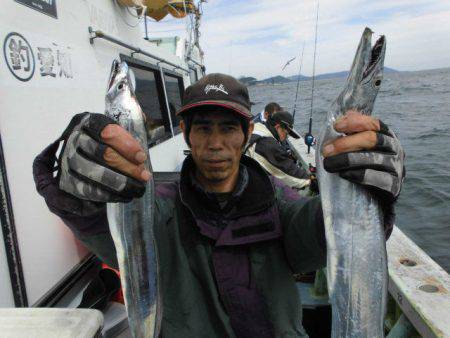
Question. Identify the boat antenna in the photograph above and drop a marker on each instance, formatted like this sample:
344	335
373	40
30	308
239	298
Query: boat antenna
298	82
309	139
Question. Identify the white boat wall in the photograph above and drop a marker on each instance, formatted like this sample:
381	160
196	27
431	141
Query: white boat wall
50	69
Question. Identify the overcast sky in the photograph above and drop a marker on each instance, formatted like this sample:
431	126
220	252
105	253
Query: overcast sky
257	37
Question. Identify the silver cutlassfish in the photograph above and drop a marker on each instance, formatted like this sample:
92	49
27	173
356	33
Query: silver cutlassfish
356	261
131	224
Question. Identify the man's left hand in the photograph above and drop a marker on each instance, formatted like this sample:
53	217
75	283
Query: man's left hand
370	154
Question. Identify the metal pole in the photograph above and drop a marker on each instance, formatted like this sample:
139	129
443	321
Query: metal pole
146	32
99	34
194	62
11	243
166	99
313	79
298	82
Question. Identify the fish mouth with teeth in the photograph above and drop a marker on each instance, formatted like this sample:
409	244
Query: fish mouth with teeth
365	76
375	62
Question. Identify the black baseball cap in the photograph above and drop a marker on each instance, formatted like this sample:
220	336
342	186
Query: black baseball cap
286	120
217	90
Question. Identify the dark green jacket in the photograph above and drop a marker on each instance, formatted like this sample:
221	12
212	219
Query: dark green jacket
267	226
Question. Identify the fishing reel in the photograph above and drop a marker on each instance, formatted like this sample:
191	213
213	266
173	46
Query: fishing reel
310	140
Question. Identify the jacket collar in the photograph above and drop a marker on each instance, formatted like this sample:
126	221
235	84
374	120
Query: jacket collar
266	130
241	185
251	216
256	195
273	131
261	130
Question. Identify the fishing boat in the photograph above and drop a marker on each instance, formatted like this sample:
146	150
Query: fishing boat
55	62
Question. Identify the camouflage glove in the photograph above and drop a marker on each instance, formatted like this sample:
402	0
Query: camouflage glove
381	169
83	171
59	202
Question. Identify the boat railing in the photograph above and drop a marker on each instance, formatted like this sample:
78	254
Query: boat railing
98	34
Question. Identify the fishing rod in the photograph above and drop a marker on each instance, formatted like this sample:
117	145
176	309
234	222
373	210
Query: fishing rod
309	138
298	82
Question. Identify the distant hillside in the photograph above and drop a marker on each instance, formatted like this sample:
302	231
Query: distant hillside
390	70
281	79
332	75
248	80
295	77
275	80
345	74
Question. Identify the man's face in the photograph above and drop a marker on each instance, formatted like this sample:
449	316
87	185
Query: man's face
216	139
282	132
266	114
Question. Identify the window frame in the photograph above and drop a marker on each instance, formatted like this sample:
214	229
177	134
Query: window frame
146	66
193	70
175	127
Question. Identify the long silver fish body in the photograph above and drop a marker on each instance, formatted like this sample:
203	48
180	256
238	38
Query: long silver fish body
131	224
356	250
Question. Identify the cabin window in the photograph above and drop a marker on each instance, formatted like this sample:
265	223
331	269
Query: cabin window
149	93
193	75
174	89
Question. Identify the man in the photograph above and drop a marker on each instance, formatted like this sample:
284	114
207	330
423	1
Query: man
268	111
267	147
229	236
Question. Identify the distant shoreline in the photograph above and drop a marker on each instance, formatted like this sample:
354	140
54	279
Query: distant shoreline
251	81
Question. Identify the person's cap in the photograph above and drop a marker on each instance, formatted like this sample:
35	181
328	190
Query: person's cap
286	120
217	90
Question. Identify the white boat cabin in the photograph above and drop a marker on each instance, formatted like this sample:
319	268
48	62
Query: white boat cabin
55	62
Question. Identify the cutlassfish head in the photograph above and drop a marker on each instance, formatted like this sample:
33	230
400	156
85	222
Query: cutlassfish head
121	79
120	90
365	75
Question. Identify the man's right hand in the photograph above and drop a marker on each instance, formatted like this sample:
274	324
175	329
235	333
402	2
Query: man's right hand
101	161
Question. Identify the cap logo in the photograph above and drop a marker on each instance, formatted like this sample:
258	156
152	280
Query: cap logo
217	88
